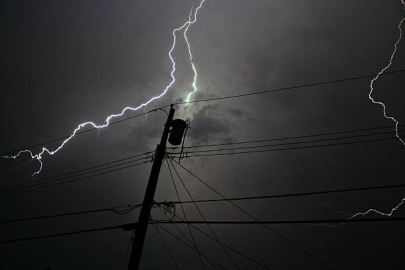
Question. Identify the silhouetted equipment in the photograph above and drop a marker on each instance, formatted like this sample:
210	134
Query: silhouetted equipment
140	231
176	133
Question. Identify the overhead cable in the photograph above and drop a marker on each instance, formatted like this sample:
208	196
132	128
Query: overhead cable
207	100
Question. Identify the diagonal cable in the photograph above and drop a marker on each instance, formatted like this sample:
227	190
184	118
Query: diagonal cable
198	209
167	248
252	217
33	188
184	213
181	232
191	247
234	250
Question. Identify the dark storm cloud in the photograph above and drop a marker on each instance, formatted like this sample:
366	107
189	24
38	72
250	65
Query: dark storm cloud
239	113
66	62
208	125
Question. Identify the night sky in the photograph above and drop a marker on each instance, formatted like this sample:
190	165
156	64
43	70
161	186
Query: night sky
67	62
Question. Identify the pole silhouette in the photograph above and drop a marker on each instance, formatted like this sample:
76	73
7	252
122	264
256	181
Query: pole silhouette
140	231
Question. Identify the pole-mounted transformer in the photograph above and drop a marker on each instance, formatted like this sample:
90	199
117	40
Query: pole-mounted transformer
177	132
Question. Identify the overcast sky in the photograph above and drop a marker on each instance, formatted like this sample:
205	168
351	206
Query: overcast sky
67	62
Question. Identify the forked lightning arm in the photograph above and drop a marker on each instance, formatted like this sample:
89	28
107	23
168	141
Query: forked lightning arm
185	26
396	122
379	74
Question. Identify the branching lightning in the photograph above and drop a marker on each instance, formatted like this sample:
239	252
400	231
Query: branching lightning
386	214
184	27
190	54
371	210
379	74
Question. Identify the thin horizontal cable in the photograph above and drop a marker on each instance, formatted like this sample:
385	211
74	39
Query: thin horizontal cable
223	200
309	221
81	132
203	217
73	180
117	210
225	245
38	182
281	149
256	220
59	234
207	100
191	247
300	137
288	88
210	222
75	173
294	143
290	194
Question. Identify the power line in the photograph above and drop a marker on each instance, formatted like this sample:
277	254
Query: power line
167	248
288	88
61	234
41	184
37	182
220	153
293	143
292	194
201	214
261	222
207	100
184	213
234	250
195	247
81	132
255	219
191	247
302	137
133	225
115	209
282	149
197	153
120	210
72	180
75	173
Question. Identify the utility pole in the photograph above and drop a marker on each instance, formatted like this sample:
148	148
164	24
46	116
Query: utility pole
140	231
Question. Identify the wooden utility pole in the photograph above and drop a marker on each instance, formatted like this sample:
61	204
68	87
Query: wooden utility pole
140	232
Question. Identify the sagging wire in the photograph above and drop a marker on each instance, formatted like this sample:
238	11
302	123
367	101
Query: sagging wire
203	217
167	247
168	207
129	209
194	242
254	218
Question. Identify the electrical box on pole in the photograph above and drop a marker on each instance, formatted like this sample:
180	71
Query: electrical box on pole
178	130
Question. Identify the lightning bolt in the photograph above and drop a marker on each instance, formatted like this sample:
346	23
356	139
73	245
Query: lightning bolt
386	116
379	74
372	210
388	214
189	51
184	27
